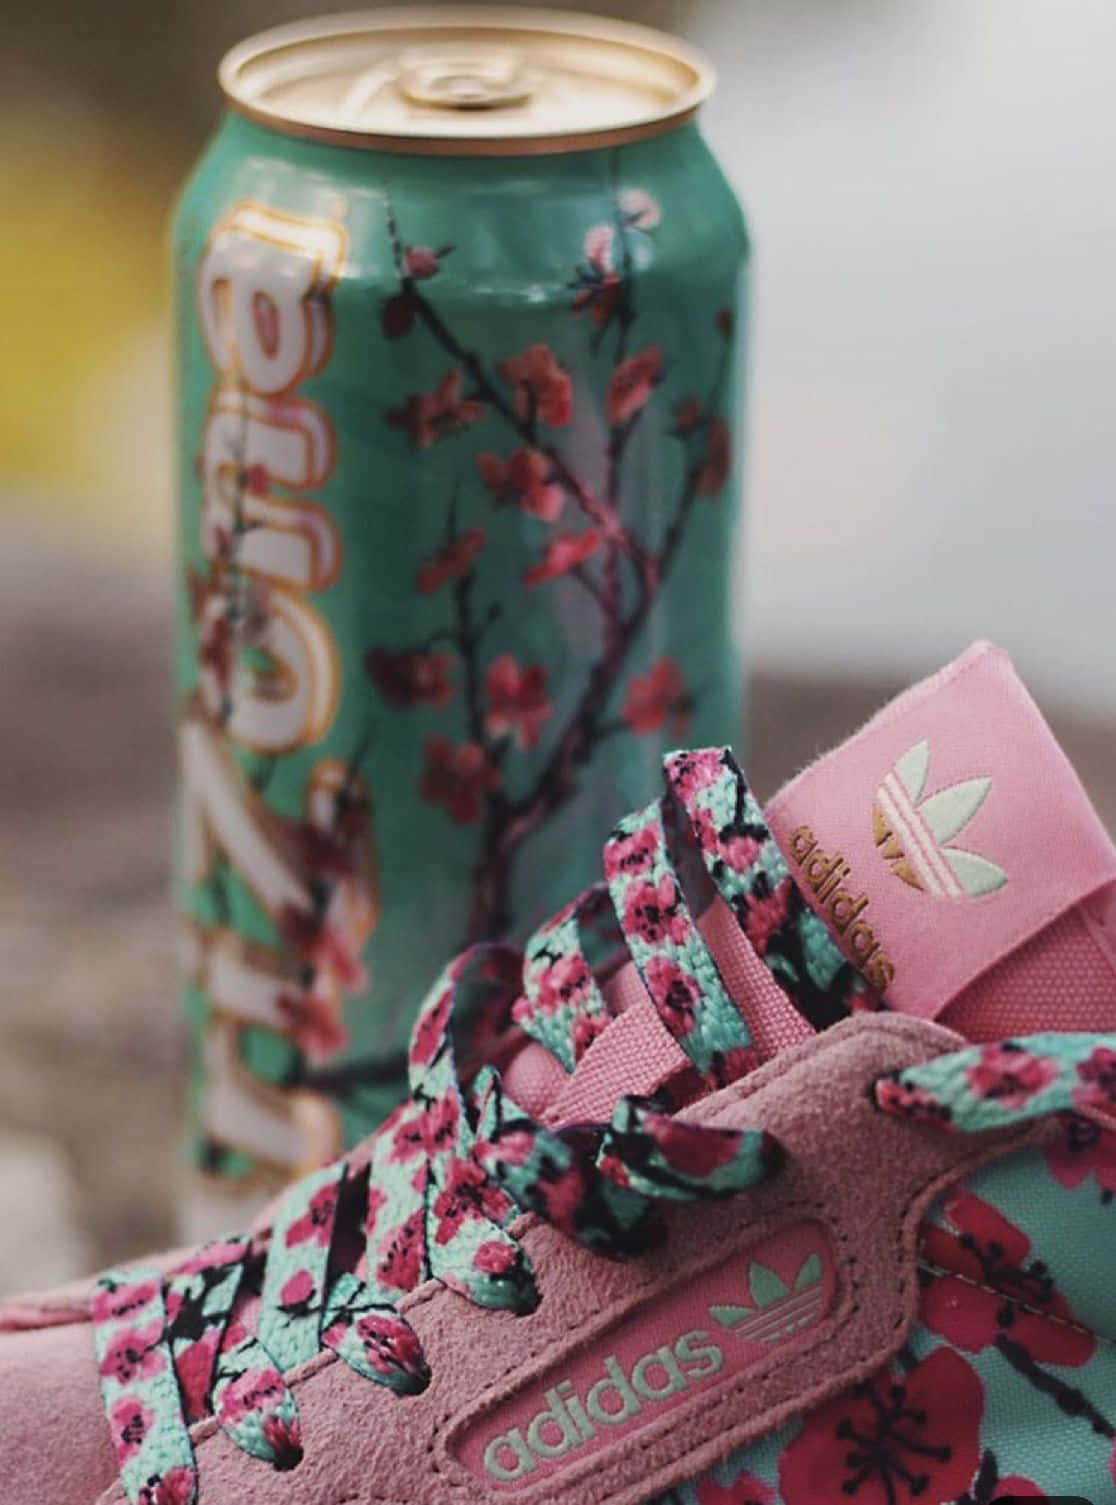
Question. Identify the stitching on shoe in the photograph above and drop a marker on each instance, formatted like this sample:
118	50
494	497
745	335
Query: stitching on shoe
1023	1306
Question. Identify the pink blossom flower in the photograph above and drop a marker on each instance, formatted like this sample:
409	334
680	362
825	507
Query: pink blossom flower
632	383
518	704
457	777
715	467
746	1489
389	1344
1009	1075
324	946
494	1258
651	911
316	1225
633	852
543	389
175	1488
283	1437
430	1027
563	983
254	1391
420	261
1098	1075
565	553
411	678
897	1439
468	1193
131	1421
597	246
765	916
113	1303
598	288
400	1255
991	1289
525	477
640	210
193	1366
451	562
1083	1149
427	417
659	696
673	989
297	1292
311	1020
133	1355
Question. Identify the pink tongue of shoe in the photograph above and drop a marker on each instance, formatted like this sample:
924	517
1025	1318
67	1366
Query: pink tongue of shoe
956	860
952	855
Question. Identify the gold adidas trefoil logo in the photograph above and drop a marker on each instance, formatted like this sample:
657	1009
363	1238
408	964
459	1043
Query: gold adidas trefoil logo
912	833
779	1309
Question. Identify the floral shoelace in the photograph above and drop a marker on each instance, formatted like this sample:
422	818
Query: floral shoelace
433	1194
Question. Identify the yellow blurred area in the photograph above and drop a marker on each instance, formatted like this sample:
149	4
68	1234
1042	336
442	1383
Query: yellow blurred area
85	410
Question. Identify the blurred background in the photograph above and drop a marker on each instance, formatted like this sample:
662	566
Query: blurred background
929	185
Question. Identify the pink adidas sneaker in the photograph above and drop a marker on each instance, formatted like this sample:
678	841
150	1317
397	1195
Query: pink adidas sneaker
778	1172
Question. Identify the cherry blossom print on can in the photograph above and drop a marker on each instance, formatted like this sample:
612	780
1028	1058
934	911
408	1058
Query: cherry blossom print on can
459	478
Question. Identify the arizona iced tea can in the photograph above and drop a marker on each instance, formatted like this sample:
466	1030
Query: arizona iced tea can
458	309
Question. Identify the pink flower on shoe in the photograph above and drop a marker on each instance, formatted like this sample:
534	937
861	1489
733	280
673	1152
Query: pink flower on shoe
673	989
634	852
991	1291
175	1488
899	1439
1098	1075
543	389
316	1226
566	982
1010	1075
254	1392
131	1421
134	1356
518	704
651	912
744	1490
112	1305
1083	1149
298	1292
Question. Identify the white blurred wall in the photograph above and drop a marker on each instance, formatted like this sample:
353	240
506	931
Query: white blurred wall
931	186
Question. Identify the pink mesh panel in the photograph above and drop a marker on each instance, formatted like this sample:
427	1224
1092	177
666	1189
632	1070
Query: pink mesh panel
1060	979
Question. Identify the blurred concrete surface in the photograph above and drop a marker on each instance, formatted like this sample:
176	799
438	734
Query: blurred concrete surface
91	1059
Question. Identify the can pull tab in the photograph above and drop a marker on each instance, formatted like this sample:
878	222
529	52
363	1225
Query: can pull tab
465	78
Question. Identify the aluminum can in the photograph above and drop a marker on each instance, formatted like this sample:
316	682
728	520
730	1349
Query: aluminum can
458	301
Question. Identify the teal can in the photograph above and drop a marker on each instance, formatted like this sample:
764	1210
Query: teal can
459	317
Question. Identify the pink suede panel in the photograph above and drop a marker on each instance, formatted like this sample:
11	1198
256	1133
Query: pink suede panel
54	1442
365	1446
633	1376
974	721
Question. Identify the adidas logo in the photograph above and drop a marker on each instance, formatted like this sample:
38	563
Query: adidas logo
623	1389
779	1311
911	832
829	879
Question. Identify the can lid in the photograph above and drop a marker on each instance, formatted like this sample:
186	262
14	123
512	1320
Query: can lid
472	79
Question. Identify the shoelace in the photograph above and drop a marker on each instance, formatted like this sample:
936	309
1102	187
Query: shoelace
435	1191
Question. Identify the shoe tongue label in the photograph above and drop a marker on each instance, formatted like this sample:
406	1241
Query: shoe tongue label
944	835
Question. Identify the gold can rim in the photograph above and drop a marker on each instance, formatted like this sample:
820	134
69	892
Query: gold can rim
488	80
